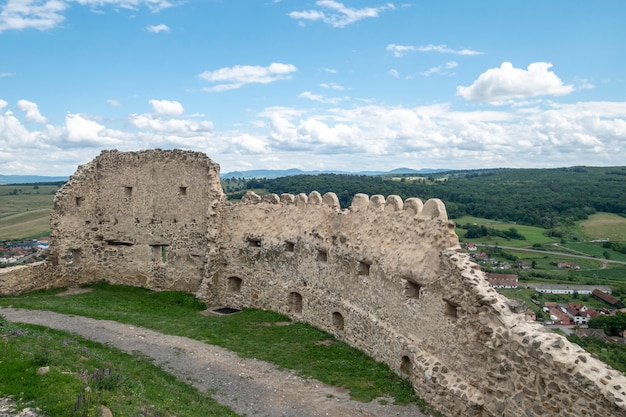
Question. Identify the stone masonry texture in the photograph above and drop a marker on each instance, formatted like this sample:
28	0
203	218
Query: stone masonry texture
386	276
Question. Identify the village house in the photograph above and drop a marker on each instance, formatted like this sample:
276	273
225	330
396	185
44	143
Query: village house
607	298
567	265
569	289
503	280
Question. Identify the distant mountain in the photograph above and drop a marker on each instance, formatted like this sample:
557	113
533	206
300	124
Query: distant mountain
29	179
277	173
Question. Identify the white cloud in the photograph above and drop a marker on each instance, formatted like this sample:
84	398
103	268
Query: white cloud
31	14
166	107
113	102
230	78
31	111
7	74
47	14
394	73
337	14
440	69
320	98
355	138
81	131
445	50
158	28
399	50
497	85
332	86
330	70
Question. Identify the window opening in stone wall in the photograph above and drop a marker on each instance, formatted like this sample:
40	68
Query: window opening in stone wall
451	309
182	190
363	268
412	289
79	201
234	284
322	255
338	320
290	246
295	303
406	366
159	253
128	191
254	243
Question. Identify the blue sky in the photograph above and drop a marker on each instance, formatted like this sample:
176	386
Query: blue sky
352	85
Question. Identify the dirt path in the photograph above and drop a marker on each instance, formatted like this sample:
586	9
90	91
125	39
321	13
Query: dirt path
247	386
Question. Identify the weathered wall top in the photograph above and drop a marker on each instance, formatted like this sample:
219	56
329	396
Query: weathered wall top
385	275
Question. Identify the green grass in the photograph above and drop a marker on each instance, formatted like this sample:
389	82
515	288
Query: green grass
84	375
605	226
532	234
250	333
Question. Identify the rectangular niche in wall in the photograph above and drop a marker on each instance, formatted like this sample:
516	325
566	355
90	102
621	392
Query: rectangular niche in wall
182	190
128	191
254	242
363	267
72	257
322	255
79	201
290	246
451	309
411	289
234	284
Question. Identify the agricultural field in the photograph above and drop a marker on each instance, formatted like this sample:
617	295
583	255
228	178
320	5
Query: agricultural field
25	210
604	226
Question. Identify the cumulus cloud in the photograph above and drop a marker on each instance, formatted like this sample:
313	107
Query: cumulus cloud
166	107
158	28
440	69
394	73
337	14
360	137
82	131
31	111
497	85
47	14
229	78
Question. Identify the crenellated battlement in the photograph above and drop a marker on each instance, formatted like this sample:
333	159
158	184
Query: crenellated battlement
385	275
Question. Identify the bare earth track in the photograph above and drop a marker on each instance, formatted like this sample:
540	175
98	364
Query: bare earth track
247	386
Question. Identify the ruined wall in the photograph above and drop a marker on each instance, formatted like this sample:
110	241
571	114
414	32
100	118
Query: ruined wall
386	275
143	218
389	278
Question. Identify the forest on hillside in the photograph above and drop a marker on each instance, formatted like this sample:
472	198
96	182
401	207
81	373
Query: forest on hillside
546	198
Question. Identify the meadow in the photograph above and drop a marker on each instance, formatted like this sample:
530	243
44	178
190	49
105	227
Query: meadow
25	210
249	333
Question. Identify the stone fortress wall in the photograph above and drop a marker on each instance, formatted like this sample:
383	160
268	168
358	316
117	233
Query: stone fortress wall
385	275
